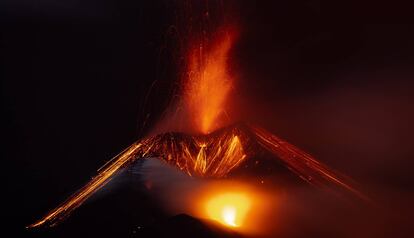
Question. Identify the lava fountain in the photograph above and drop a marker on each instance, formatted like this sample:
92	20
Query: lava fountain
208	82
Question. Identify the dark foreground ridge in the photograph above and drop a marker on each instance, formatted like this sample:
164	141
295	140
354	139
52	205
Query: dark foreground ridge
184	226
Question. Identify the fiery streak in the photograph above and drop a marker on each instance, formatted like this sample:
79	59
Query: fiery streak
303	164
90	188
213	155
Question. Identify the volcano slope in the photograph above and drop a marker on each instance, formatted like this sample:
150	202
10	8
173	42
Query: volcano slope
235	151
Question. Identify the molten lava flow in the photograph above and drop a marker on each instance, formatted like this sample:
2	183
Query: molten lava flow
104	176
304	165
221	158
229	209
208	83
214	155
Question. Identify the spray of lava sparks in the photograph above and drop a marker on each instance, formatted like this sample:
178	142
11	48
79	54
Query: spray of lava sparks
208	84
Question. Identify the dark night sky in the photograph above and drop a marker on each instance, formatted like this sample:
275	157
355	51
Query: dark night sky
334	78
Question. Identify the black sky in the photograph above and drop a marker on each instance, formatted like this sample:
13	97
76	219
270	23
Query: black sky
334	78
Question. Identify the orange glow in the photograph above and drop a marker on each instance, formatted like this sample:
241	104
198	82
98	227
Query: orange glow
236	204
229	209
214	155
208	83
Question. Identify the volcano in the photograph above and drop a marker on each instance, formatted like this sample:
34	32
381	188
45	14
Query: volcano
196	139
229	152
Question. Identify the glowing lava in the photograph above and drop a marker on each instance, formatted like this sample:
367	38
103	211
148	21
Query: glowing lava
229	209
208	83
214	155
